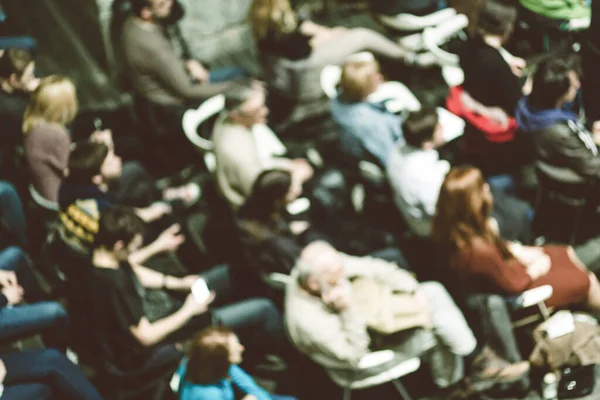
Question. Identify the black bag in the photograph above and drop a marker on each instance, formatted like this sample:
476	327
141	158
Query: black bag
576	382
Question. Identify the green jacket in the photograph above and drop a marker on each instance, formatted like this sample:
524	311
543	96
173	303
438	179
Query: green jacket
558	9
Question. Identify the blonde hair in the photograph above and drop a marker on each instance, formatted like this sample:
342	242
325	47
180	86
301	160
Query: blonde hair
53	102
272	16
356	81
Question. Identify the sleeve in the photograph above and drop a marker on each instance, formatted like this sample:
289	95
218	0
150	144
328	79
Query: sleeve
171	70
60	143
247	384
382	271
580	158
508	276
379	142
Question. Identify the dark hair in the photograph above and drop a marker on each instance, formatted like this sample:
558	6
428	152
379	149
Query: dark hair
496	18
14	61
550	83
118	223
268	192
208	356
85	161
138	5
420	126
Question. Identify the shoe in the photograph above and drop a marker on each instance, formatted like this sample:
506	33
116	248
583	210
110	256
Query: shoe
488	370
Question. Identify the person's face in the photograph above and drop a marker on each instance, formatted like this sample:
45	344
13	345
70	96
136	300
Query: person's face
254	111
27	82
573	88
161	9
111	167
123	252
332	275
235	350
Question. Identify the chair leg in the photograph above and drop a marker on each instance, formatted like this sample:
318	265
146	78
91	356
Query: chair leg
347	394
401	389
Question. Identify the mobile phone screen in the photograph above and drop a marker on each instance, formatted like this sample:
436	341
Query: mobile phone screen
200	290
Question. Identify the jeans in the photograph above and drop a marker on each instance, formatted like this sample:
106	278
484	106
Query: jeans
11	210
225	74
36	374
14	259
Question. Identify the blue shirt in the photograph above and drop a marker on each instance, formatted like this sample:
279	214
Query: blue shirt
368	130
223	389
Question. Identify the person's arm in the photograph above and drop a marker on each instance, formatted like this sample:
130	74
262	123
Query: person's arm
149	334
170	239
152	279
381	271
247	384
348	345
507	275
60	145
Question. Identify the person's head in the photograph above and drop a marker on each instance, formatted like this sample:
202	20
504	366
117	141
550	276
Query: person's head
17	70
152	10
272	17
272	190
212	351
245	104
320	269
496	18
120	231
359	79
463	208
92	162
54	101
422	129
555	83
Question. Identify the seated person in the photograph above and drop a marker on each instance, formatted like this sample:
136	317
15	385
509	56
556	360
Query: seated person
278	31
116	284
493	82
416	174
368	130
563	10
53	106
212	369
270	240
559	139
85	194
483	262
17	81
17	320
43	374
323	320
240	157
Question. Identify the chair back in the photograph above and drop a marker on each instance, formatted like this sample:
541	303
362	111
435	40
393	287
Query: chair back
411	23
193	119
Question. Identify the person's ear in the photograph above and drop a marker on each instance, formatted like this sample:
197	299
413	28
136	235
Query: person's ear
428	145
97	179
313	284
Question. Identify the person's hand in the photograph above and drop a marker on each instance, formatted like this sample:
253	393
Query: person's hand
13	294
596	132
170	239
188	281
302	170
8	279
104	136
197	70
517	66
497	115
2	372
337	298
540	267
192	307
154	211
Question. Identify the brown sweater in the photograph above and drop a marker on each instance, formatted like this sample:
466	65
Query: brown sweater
47	149
158	74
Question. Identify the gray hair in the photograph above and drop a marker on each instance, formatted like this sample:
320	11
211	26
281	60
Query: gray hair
308	264
238	95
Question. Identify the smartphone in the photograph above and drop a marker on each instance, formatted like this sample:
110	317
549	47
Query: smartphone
200	290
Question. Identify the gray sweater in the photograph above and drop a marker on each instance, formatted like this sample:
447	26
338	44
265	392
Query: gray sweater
158	74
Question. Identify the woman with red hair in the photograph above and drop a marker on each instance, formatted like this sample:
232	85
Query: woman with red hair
484	263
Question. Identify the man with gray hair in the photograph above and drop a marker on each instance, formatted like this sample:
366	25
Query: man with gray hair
244	146
326	321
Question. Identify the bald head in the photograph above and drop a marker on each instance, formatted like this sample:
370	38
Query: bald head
319	265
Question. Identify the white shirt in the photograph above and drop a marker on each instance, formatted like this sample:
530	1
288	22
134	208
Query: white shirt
416	176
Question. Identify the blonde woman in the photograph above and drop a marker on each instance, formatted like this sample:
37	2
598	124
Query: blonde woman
279	31
52	107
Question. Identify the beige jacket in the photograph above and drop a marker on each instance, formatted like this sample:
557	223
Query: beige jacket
240	160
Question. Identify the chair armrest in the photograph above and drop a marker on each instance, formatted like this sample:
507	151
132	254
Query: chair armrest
532	297
371	172
376	358
277	280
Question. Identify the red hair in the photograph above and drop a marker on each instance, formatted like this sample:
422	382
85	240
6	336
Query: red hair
463	212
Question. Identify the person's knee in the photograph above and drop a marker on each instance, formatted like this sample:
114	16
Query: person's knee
55	312
12	258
